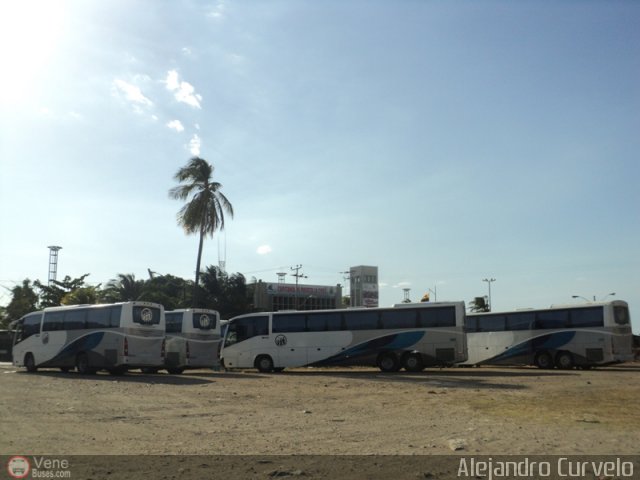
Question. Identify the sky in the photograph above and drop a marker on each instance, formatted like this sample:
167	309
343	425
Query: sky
444	142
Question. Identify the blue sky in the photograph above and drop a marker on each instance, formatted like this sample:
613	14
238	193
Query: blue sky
444	142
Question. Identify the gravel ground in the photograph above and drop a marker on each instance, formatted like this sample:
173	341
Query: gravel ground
355	411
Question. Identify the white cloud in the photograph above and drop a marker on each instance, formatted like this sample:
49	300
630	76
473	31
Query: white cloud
132	93
402	285
184	92
176	125
263	250
194	145
217	11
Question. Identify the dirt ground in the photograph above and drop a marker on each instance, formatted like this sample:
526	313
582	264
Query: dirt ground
356	411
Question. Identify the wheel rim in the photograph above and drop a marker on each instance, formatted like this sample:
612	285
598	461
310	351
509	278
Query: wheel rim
544	360
387	363
412	362
265	364
565	361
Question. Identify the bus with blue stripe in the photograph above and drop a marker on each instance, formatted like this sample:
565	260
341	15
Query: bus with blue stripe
113	337
584	335
410	336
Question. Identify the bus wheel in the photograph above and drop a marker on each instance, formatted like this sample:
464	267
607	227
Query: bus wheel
30	363
564	360
412	362
117	371
175	370
264	364
544	360
82	365
149	370
388	362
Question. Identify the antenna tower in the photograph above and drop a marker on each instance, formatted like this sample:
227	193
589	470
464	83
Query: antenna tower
53	263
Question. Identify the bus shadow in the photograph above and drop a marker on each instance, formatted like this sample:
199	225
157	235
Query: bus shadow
445	378
130	377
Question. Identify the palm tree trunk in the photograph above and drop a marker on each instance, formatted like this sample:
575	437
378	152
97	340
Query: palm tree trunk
196	292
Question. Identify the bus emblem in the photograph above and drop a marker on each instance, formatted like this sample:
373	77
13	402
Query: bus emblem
146	315
204	321
281	340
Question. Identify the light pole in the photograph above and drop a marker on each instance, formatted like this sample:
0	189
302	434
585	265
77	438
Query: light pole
489	281
594	297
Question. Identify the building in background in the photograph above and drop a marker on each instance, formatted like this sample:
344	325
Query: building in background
364	286
290	296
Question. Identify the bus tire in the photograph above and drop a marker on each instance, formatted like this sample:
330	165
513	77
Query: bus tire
388	362
412	362
117	371
264	363
175	370
564	360
82	365
544	360
149	370
30	363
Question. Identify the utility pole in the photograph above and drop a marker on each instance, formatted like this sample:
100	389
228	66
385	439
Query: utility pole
489	281
298	275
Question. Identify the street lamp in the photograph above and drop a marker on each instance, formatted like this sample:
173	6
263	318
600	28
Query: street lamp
489	281
594	297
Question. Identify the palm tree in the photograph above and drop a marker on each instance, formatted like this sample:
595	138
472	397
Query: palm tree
204	212
124	288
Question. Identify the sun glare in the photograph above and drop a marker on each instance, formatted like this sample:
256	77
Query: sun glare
29	33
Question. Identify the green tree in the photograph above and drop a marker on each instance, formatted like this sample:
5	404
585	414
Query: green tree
124	288
52	295
206	204
168	290
228	294
478	304
24	299
81	296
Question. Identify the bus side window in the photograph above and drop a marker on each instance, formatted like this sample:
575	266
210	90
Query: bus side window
246	328
52	321
587	317
116	313
30	325
98	318
399	318
471	324
74	320
520	321
552	319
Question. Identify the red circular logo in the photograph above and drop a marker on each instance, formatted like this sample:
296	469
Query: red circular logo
18	467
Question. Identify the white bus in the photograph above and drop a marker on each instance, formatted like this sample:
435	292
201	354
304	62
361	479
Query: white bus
115	337
412	337
192	338
562	336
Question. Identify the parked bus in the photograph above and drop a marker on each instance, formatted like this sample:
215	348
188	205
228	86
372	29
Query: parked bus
412	337
115	337
192	339
562	336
